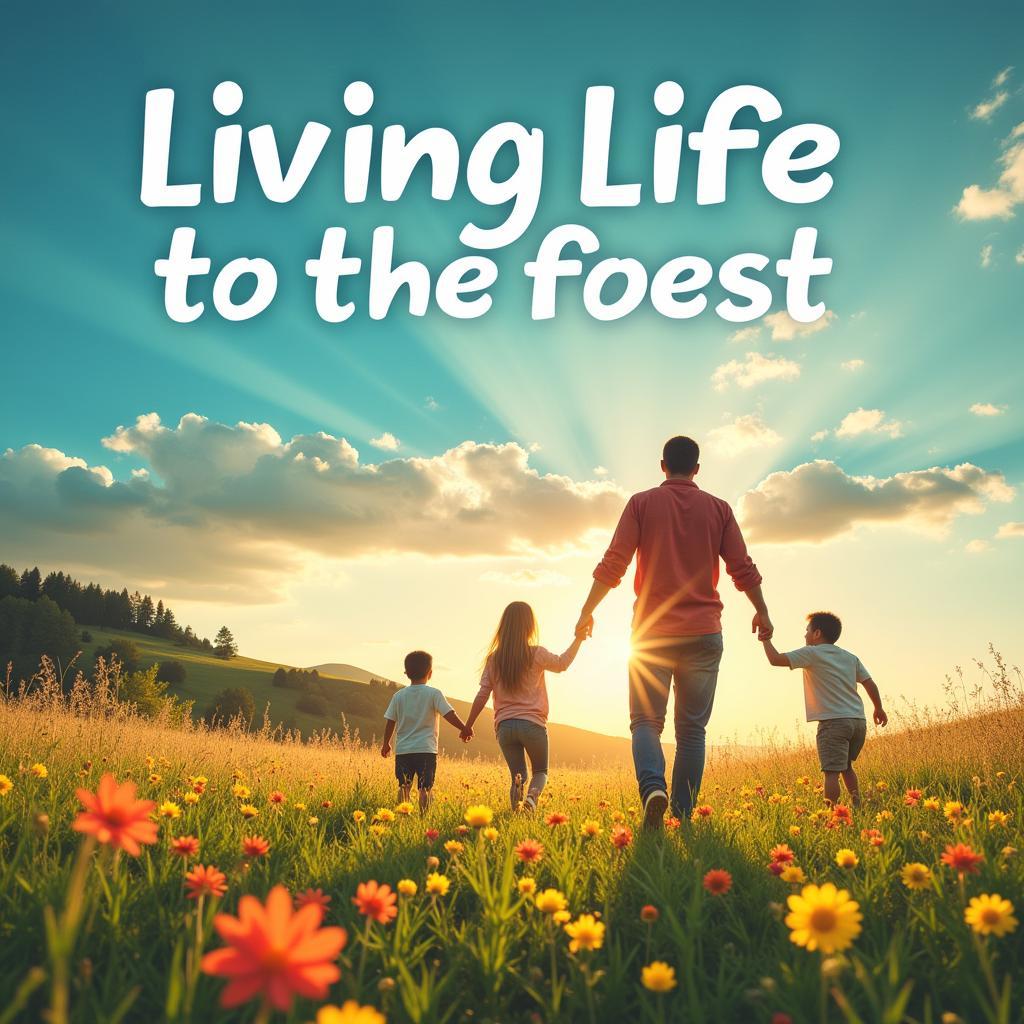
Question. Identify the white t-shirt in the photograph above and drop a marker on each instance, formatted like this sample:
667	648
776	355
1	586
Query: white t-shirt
416	711
831	676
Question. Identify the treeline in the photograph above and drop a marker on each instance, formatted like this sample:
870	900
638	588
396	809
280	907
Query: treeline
329	698
89	604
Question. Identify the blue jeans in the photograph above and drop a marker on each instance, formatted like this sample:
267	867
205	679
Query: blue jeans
518	740
692	661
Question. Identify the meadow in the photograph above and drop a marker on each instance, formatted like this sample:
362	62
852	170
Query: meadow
153	873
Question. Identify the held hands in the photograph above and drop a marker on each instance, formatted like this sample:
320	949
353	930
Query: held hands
466	735
762	625
880	717
585	627
385	750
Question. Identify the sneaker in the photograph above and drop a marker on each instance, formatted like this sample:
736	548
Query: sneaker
654	809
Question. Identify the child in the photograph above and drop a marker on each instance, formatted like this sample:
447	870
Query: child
414	712
831	676
514	674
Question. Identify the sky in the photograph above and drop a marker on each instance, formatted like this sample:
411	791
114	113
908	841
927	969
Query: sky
351	491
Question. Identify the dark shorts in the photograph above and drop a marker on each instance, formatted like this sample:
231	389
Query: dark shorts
422	767
840	740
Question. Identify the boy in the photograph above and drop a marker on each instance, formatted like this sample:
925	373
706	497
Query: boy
831	676
415	712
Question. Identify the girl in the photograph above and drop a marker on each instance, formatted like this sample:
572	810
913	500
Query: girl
514	672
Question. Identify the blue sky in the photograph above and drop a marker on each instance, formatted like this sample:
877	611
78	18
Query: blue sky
927	300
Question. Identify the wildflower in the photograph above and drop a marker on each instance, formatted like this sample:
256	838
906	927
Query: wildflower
478	816
359	817
781	1018
529	851
169	809
276	797
872	836
378	830
912	797
39	770
586	933
384	815
847	858
916	875
404	808
313	820
823	917
556	818
954	811
702	811
658	977
881	786
526	886
998	819
190	799
672	823
962	859
931	803
431	835
550	901
316	897
990	915
561	917
793	874
794	830
205	881
115	817
717	882
274	952
490	833
1008	852
155	779
5	785
241	792
453	847
842	815
376	902
885	815
185	846
590	828
406	887
433	862
776	867
249	811
649	913
781	854
350	1012
621	837
437	884
255	846
299	806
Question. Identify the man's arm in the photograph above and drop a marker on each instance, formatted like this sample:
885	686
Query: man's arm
389	731
761	623
880	717
598	592
613	566
773	656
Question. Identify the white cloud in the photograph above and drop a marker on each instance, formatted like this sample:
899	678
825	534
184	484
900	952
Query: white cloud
868	421
525	578
387	442
431	403
1018	131
746	334
785	328
744	434
819	435
986	108
1002	78
1020	256
818	501
977	547
986	256
987	409
237	508
600	471
753	370
852	365
1010	530
977	203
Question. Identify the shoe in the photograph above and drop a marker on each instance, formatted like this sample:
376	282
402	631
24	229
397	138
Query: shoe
654	809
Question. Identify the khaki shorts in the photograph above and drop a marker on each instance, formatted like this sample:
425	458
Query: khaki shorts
840	740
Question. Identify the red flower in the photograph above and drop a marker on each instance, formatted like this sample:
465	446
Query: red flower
529	851
962	858
912	796
621	837
781	854
556	818
432	834
672	823
276	797
255	846
274	952
781	1018
376	902
842	814
703	811
312	896
185	846
649	914
205	881
776	867
115	817
718	882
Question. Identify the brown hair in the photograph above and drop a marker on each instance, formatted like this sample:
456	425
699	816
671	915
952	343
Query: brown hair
511	651
828	623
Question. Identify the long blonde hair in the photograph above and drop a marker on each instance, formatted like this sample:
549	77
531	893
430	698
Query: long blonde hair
511	652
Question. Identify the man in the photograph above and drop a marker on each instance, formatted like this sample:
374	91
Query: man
678	533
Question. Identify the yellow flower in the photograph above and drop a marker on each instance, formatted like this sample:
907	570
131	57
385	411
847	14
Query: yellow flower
453	847
359	817
792	873
590	828
561	917
916	876
930	803
407	887
823	917
586	933
5	785
991	915
998	819
794	830
490	833
39	770
847	858
883	816
240	792
150	761
954	811
248	811
155	779
437	884
314	820
350	1012
298	806
377	830
190	799
169	809
550	901
384	814
479	815
881	786
404	808
527	886
658	977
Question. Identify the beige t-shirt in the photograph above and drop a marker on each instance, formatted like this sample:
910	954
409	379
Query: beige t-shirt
831	676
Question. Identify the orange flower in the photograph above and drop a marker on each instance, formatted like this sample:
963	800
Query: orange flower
185	846
912	797
255	846
312	896
781	854
649	914
556	818
718	882
274	952
276	797
376	902
703	811
842	814
115	817
962	859
621	837
529	851
205	881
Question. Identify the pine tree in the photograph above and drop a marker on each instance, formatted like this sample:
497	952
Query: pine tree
224	644
31	584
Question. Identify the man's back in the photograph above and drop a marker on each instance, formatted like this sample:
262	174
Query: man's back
678	533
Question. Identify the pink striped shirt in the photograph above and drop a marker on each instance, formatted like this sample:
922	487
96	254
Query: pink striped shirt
530	701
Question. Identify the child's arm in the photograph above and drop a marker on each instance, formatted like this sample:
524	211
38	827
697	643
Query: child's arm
880	717
453	718
773	656
389	731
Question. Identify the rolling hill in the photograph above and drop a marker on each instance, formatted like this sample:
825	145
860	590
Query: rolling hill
339	670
